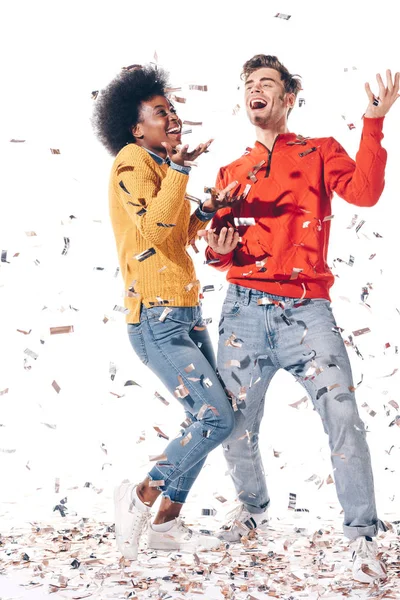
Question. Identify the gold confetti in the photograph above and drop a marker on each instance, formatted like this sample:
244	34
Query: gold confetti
298	403
61	329
186	439
189	368
233	363
160	433
56	387
158	457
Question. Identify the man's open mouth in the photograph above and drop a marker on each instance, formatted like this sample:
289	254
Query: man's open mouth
257	103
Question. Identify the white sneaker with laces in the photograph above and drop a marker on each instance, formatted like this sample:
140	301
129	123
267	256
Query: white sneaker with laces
131	520
240	522
182	538
366	565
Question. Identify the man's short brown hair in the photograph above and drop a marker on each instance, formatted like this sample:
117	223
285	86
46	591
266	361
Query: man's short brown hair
291	84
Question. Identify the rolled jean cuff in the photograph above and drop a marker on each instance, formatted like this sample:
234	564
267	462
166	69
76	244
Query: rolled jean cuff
354	532
177	496
256	510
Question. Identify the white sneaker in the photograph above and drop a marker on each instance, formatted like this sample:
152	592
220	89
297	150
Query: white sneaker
130	520
241	522
366	565
181	538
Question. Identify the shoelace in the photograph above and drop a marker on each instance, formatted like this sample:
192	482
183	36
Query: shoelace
233	514
141	524
365	549
186	530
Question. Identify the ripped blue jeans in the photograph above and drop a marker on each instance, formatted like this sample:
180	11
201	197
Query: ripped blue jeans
273	333
178	350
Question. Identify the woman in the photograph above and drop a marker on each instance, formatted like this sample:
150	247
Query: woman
151	219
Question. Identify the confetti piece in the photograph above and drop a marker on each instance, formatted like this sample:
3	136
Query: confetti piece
244	221
24	331
145	254
283	16
61	329
55	151
306	152
369	410
221	499
298	403
5	391
361	223
302	101
197	123
121	309
31	353
30	233
158	457
264	301
165	314
234	341
292	501
179	99
192	198
159	397
56	387
232	363
157	483
329	218
391	402
164	224
189	368
208	512
186	439
206	381
252	174
181	391
112	370
358	332
295	273
67	244
200	88
160	433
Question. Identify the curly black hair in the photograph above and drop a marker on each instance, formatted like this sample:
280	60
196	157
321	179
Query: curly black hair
117	106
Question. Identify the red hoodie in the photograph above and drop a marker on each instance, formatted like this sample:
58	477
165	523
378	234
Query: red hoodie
284	252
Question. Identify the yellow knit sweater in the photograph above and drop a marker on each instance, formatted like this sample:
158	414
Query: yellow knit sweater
149	213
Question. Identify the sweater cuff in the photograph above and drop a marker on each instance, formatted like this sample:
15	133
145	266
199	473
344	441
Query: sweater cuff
202	215
373	125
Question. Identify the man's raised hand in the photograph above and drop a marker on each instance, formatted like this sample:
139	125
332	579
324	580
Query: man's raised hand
380	106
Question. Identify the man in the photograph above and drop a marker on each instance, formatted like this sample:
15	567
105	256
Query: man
277	313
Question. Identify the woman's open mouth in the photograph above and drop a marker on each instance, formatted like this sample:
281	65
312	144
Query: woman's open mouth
175	131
